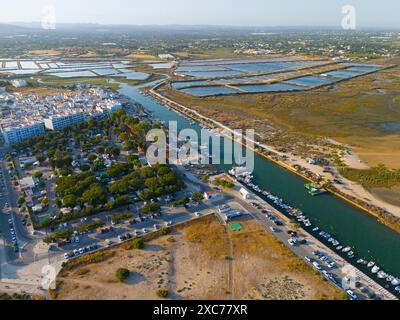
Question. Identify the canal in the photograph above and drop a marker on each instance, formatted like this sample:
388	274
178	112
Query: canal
349	225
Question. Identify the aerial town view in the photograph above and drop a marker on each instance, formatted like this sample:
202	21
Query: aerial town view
148	152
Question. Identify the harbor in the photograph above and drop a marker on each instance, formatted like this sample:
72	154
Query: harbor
328	218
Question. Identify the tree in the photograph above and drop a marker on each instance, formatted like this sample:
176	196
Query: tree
151	208
70	201
21	200
58	202
122	274
92	157
138	243
162	293
100	150
198	196
118	170
95	195
38	175
45	202
85	167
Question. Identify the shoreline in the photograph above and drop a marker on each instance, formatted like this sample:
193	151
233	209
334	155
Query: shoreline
204	120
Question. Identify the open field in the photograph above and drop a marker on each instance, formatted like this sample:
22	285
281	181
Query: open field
48	53
192	263
389	195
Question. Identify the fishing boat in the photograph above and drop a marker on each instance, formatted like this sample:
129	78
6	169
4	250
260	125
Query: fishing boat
314	189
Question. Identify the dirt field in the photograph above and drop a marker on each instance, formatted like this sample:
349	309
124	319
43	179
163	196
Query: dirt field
193	263
50	53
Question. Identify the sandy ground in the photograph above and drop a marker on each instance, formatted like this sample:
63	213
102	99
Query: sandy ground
192	263
376	150
44	53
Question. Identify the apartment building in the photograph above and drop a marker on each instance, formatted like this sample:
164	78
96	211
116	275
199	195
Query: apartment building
58	122
15	134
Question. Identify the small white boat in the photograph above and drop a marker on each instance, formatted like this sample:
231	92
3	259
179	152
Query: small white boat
347	249
375	269
370	264
339	248
382	274
396	282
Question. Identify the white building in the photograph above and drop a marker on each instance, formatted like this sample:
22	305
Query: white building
58	122
27	183
15	134
166	56
245	194
19	83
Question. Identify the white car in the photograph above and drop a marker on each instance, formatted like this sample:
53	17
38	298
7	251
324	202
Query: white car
352	295
292	242
317	266
273	229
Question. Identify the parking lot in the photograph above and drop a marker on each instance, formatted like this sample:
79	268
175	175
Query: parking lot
113	233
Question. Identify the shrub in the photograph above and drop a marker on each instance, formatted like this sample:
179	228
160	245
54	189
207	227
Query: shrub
162	293
224	183
122	274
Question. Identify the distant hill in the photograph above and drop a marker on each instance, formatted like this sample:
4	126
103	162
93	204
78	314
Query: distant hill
11	28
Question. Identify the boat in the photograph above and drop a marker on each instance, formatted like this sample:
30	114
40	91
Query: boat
375	269
360	261
339	248
347	249
382	274
371	264
350	253
314	189
315	229
396	282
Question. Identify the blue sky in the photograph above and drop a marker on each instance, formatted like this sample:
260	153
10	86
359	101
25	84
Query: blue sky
370	13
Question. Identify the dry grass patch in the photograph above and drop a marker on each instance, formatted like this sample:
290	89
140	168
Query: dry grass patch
210	235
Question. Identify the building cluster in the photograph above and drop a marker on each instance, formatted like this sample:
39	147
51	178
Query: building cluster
23	116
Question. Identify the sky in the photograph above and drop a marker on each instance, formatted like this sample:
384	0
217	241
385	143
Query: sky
369	13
